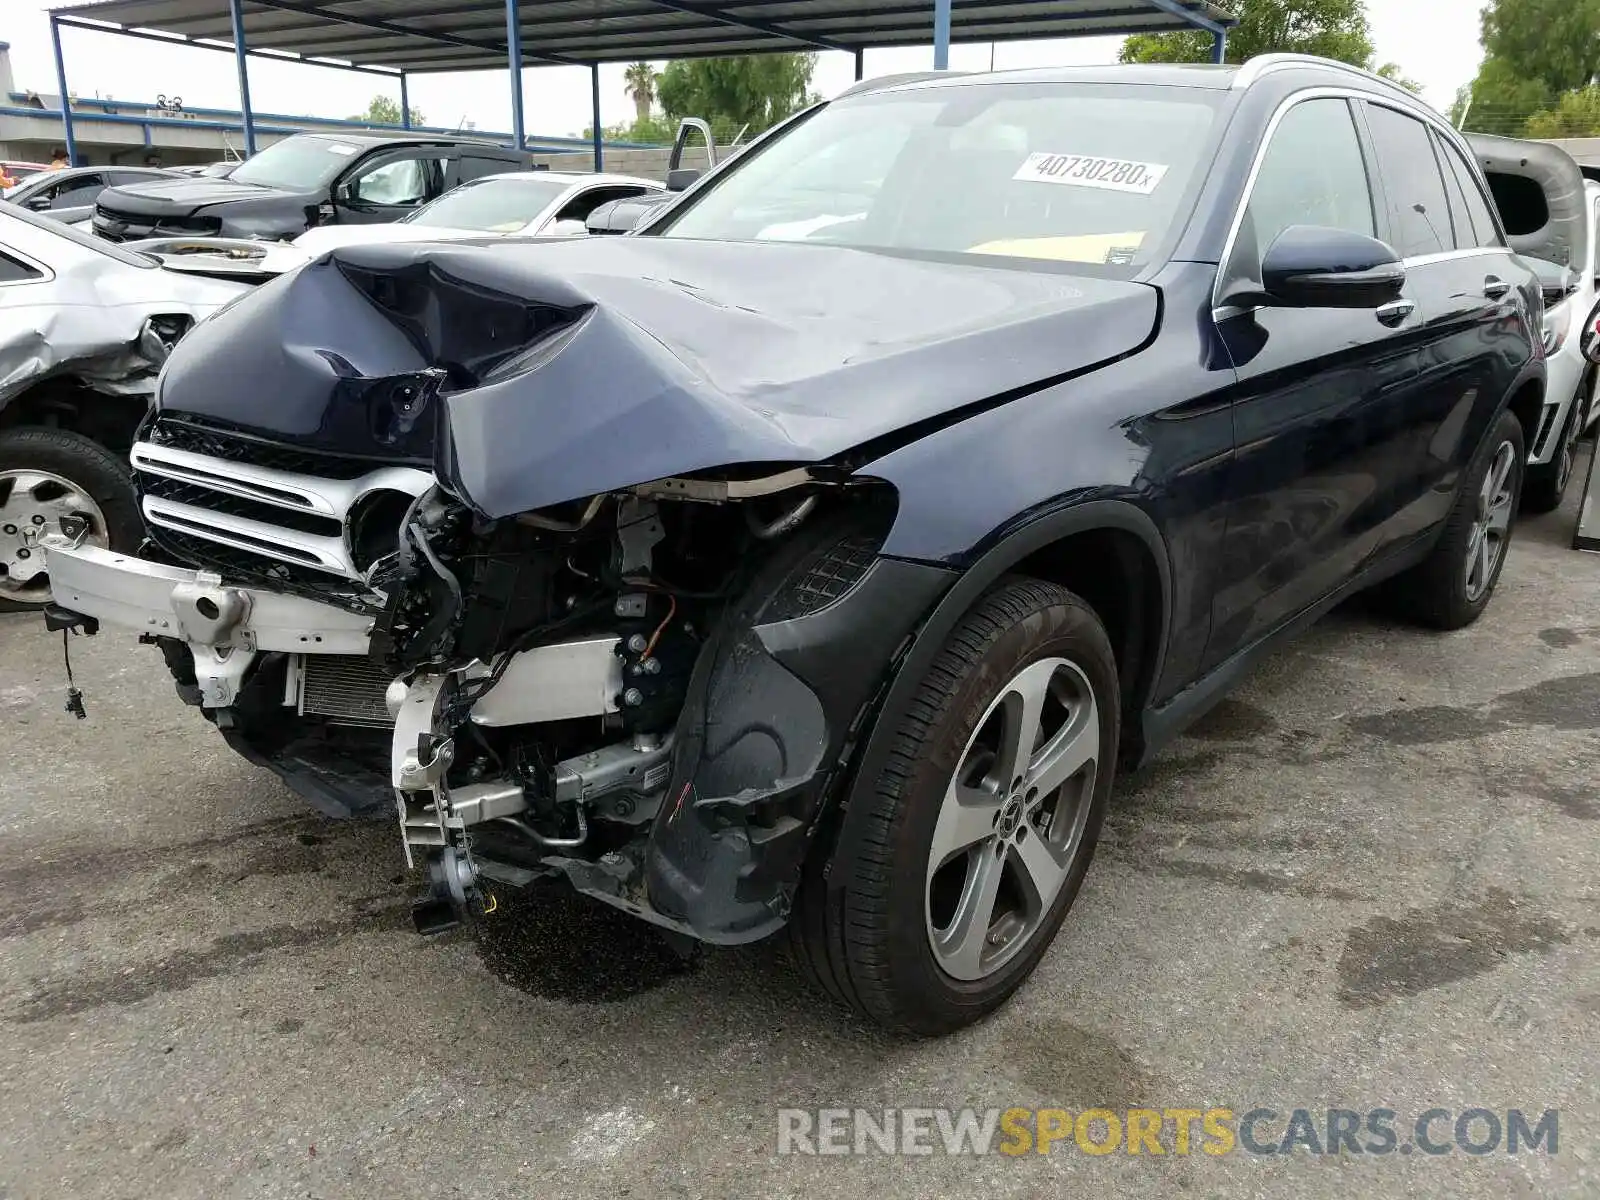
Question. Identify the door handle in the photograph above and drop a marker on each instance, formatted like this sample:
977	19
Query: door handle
1395	312
1496	289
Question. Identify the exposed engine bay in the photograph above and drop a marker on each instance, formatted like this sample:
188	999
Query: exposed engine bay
545	694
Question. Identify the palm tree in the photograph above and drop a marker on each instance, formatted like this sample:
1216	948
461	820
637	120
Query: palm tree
639	81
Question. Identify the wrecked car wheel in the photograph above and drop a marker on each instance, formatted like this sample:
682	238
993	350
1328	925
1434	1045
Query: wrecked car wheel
53	481
985	818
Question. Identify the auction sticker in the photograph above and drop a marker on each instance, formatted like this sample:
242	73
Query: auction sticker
1080	170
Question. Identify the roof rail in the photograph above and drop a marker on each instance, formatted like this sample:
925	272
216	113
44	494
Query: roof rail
1264	64
886	81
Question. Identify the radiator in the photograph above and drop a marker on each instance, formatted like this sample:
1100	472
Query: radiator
344	688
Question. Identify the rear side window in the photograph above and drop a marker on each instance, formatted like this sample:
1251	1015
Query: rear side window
1473	221
1419	214
473	166
14	270
1313	173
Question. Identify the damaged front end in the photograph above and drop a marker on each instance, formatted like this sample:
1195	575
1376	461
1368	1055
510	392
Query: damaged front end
388	585
649	697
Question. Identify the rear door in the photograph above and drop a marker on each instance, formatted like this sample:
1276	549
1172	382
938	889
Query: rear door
1464	284
1321	414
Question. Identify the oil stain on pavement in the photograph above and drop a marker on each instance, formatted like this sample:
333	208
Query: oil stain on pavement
545	941
1391	957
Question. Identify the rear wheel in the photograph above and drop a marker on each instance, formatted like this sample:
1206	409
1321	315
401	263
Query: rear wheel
1451	587
50	481
983	823
1546	484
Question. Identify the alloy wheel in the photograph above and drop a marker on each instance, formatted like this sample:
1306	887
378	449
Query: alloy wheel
1012	819
1492	525
32	505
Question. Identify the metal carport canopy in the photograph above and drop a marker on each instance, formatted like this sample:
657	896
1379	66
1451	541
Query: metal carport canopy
413	36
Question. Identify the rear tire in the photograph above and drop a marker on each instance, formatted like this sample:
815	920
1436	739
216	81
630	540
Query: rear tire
1451	587
1026	687
44	475
1546	484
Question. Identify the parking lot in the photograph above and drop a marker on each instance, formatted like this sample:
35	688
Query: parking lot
1367	880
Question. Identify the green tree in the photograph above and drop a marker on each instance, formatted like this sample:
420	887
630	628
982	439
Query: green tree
1330	28
657	131
1501	99
383	111
757	90
1576	114
1556	42
639	81
1535	53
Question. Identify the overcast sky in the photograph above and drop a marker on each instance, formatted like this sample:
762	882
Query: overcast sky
1434	41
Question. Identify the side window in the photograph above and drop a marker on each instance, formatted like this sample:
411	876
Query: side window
1312	173
401	181
1464	183
472	167
14	270
78	191
585	202
1419	214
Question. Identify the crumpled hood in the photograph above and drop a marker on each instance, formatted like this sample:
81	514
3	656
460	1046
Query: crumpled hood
537	372
182	196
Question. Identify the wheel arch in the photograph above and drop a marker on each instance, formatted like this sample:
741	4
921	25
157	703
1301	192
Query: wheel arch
71	403
1055	547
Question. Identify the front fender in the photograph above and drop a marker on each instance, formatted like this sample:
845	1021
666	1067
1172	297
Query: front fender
932	634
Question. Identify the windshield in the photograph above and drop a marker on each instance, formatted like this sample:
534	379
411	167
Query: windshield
490	205
1065	172
297	164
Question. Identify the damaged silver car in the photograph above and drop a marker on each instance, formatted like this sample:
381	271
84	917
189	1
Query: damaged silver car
84	329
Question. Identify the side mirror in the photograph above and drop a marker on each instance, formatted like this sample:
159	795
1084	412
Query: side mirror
1311	266
568	228
682	178
38	203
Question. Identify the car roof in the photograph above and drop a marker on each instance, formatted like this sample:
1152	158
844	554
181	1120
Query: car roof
1192	75
386	137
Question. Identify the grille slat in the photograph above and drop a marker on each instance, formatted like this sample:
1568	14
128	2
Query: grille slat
260	511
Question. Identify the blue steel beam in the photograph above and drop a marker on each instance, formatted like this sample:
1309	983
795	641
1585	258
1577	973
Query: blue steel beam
769	28
237	14
514	65
392	27
1219	46
272	56
61	82
941	35
405	103
594	130
1199	20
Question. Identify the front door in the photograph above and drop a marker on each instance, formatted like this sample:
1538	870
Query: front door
1321	411
388	186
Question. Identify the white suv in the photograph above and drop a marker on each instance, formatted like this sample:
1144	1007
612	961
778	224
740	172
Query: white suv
1552	214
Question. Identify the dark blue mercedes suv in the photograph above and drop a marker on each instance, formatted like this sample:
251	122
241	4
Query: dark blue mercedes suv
812	557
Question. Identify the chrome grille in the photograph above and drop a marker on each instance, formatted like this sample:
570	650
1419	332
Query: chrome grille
269	516
344	688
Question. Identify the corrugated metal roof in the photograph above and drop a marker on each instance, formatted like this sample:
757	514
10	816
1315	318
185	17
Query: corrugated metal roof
468	35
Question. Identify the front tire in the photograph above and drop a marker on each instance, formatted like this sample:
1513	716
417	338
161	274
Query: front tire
982	823
47	475
1451	587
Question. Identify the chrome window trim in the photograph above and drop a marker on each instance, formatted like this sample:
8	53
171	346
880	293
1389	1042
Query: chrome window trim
1218	309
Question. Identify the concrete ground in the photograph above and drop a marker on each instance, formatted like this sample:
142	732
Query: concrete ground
1368	880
